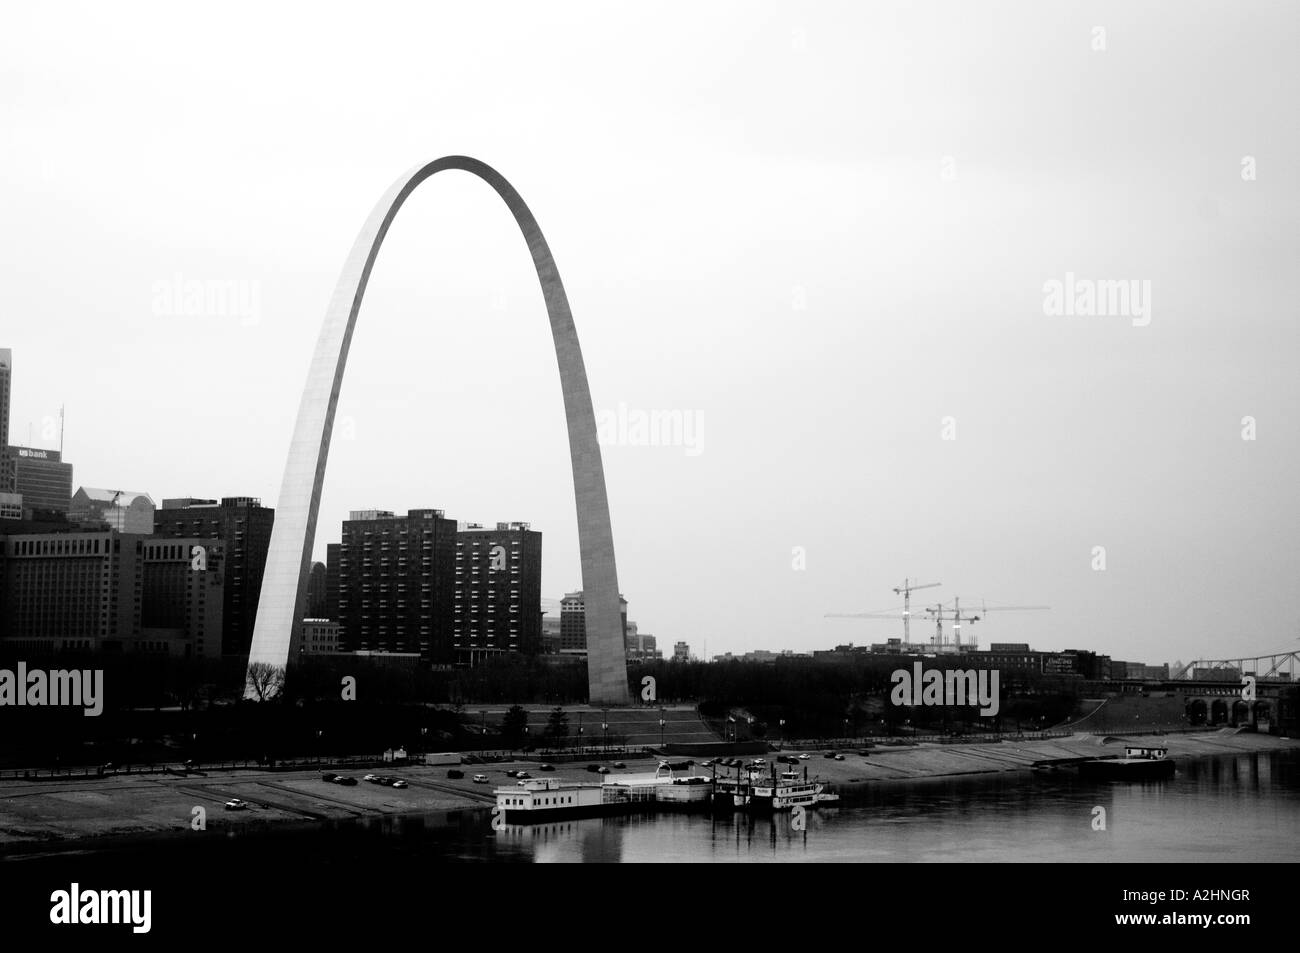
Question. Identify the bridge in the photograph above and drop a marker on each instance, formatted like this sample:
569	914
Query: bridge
1283	666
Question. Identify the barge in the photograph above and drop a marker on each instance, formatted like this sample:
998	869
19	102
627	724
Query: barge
1138	764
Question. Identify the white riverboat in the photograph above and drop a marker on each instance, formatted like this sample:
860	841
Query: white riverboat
781	793
548	798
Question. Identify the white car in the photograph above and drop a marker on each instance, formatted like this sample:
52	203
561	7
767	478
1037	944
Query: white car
805	756
235	804
399	783
371	778
480	779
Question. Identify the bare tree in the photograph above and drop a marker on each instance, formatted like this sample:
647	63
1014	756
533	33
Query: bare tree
265	679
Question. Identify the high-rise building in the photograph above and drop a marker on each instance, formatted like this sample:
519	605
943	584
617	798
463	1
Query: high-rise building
243	525
573	623
42	478
122	510
317	592
6	374
498	591
71	590
681	652
332	553
397	583
181	597
108	591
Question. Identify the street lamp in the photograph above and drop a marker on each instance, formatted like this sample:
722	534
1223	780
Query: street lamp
782	732
662	722
604	725
579	732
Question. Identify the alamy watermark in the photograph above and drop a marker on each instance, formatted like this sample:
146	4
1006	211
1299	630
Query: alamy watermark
626	427
951	687
84	689
226	298
74	905
1086	297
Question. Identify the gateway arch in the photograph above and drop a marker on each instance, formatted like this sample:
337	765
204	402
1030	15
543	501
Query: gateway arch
284	582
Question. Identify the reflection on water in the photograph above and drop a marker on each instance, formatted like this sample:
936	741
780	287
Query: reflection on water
1241	807
1246	807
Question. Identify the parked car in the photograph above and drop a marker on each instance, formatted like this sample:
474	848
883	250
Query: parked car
327	776
829	754
523	775
235	804
546	767
619	764
593	767
480	779
372	778
839	757
603	770
455	774
512	773
346	782
399	783
805	756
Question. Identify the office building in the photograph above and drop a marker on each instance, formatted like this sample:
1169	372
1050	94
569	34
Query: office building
319	637
498	592
42	479
122	510
71	590
397	584
317	593
181	597
332	553
573	623
550	635
243	526
681	652
641	646
6	375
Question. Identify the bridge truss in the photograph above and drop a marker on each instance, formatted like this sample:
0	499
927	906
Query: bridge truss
1280	667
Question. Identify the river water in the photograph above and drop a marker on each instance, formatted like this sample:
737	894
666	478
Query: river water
1239	808
1245	808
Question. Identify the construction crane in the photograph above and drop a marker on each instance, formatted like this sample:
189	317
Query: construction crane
906	590
958	615
881	614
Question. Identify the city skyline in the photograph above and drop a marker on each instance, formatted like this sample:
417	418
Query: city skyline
823	295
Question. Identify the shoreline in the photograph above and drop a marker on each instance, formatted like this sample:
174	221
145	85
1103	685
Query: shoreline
42	818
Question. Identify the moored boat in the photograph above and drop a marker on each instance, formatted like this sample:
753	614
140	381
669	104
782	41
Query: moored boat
1138	764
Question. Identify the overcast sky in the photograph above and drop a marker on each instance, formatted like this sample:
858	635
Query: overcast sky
816	233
